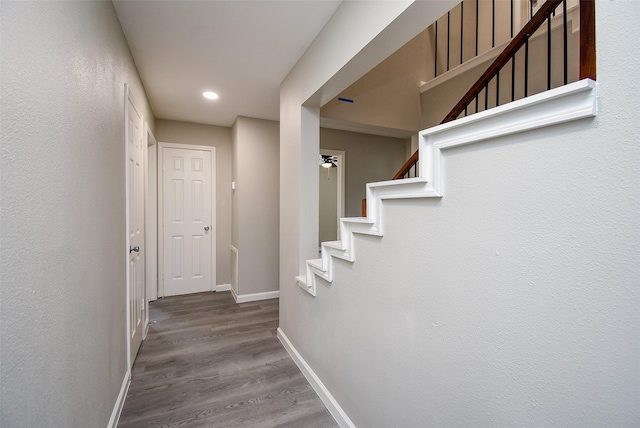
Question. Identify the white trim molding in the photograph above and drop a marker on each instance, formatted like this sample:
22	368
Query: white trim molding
117	408
329	401
244	298
223	287
564	104
234	270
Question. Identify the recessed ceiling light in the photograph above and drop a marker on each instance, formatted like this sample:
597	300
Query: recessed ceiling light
210	95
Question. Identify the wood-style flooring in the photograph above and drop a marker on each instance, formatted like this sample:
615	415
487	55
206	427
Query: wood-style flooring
209	362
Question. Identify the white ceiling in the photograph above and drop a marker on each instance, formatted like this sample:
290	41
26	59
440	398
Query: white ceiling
240	49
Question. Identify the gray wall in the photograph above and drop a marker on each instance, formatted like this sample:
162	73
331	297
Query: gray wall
63	356
255	204
328	195
368	158
169	131
511	301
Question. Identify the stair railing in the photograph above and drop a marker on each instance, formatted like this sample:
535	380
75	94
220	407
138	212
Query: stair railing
587	68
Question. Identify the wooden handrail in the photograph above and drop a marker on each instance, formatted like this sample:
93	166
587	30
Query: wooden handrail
587	39
407	166
587	59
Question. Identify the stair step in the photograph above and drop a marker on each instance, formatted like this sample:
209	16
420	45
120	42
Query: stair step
337	245
316	263
357	220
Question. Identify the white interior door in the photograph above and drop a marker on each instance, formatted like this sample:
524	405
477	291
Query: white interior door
187	216
135	214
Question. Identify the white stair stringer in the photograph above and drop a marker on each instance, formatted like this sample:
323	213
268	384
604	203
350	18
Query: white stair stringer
566	103
371	225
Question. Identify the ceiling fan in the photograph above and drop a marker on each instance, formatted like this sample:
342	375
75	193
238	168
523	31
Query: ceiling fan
328	161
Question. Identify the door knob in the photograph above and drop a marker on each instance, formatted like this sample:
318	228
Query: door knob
206	228
132	249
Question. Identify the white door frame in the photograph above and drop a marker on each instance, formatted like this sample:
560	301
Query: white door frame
128	97
212	150
340	178
151	221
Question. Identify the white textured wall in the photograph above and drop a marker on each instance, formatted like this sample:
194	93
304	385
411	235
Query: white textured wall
63	355
170	131
348	46
511	301
255	207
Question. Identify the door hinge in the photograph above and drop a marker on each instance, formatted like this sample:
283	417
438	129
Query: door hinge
142	304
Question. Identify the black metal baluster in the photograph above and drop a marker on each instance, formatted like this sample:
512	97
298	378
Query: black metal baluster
498	89
526	67
486	96
448	38
530	9
461	30
513	77
477	14
549	52
512	24
565	36
435	62
493	23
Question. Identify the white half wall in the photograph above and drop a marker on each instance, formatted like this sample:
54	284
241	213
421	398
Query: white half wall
510	301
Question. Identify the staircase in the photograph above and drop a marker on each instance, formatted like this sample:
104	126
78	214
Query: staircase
572	101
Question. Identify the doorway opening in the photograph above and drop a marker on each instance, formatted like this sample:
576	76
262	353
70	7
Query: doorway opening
331	193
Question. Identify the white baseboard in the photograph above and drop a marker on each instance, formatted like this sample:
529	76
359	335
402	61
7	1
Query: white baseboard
117	408
223	287
329	401
243	298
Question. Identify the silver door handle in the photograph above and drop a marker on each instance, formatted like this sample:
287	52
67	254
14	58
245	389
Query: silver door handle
132	249
206	228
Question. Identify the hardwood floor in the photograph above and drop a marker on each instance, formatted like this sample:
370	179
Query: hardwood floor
209	362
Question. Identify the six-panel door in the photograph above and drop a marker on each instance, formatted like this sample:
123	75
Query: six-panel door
136	153
187	218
